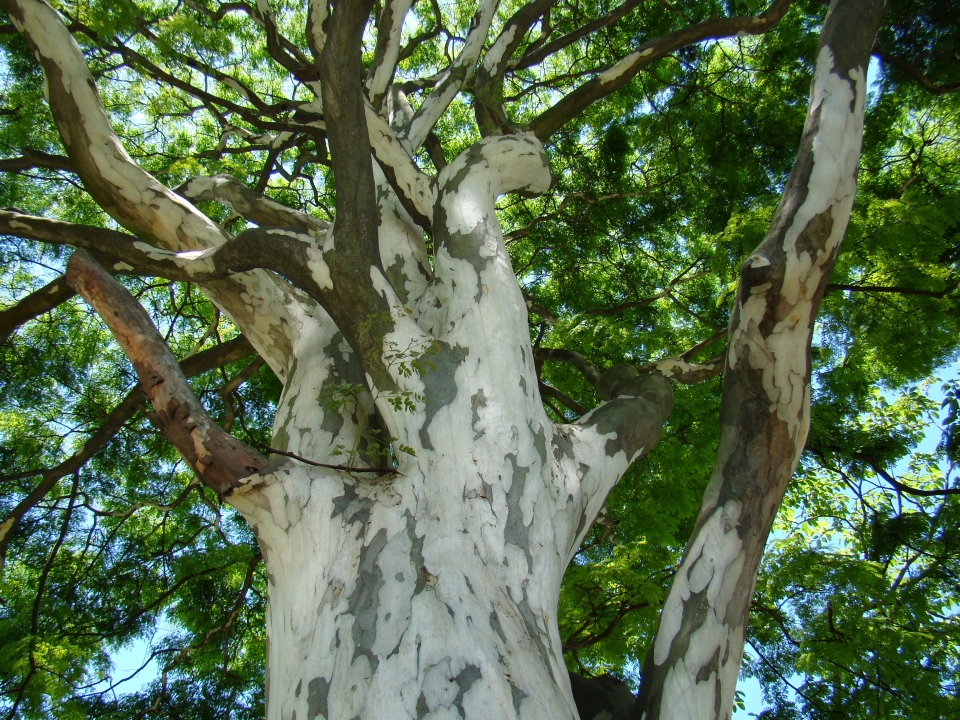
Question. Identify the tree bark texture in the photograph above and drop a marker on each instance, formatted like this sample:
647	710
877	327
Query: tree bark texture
692	666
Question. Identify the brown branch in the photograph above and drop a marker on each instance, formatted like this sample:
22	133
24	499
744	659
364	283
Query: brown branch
33	305
342	468
36	159
644	302
552	392
714	28
545	51
589	371
914	73
223	354
889	289
219	459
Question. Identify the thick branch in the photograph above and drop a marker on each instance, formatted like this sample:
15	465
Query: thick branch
692	667
614	78
914	73
224	354
36	159
589	371
453	78
247	203
488	87
33	305
219	459
353	300
538	55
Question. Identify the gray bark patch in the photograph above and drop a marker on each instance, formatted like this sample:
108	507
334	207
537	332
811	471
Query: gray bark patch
365	599
416	554
351	506
317	691
479	400
465	680
439	385
533	630
517	695
515	532
496	626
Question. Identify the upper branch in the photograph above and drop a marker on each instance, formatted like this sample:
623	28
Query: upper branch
488	86
218	458
620	74
387	52
453	77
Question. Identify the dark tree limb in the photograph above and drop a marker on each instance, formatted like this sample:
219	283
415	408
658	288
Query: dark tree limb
538	55
589	371
611	80
32	159
353	302
33	305
224	354
220	460
914	73
563	399
248	203
892	289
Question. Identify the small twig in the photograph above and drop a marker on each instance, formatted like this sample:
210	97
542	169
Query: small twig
345	468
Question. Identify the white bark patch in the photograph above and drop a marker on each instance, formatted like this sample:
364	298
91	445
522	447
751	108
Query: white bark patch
713	565
494	57
377	84
623	66
837	104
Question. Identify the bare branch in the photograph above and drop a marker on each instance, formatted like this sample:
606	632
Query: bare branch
621	73
560	397
589	371
914	73
538	55
33	305
249	204
453	78
219	459
224	354
36	159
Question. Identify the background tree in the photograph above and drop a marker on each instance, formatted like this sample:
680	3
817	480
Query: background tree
660	140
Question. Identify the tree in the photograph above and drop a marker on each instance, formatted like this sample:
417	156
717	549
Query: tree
422	503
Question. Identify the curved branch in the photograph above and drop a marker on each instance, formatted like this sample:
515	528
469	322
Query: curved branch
693	663
453	77
248	203
914	73
33	305
224	354
614	78
219	459
36	159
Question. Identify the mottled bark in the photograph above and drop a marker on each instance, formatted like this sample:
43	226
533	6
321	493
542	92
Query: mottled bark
692	666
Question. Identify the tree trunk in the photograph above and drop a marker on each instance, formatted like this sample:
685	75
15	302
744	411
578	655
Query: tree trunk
692	666
433	594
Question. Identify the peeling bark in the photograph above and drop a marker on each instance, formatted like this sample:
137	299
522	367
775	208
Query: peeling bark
692	666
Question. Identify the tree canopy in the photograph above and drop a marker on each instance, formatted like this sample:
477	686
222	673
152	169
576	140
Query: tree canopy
670	130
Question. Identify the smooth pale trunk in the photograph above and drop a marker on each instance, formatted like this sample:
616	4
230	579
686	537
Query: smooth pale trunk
431	595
